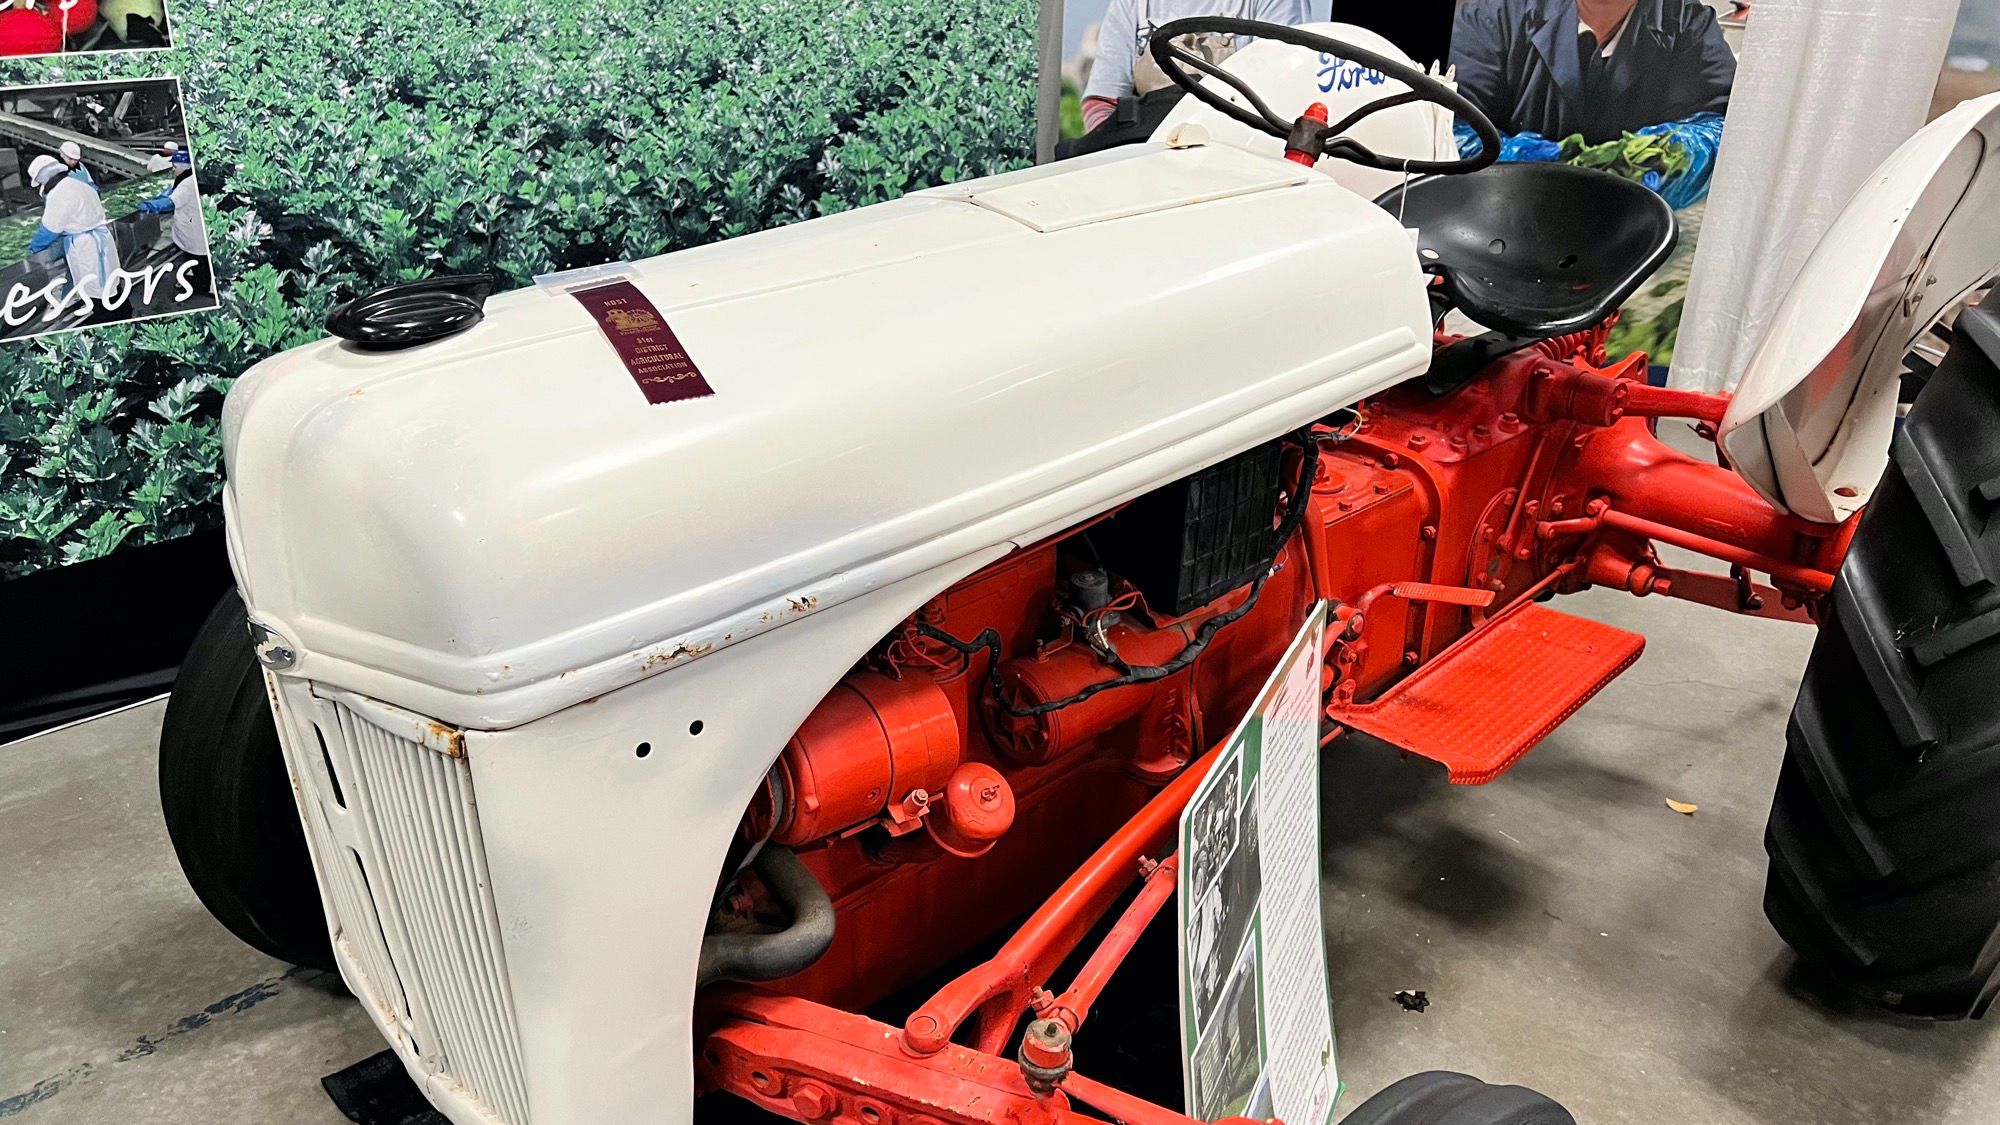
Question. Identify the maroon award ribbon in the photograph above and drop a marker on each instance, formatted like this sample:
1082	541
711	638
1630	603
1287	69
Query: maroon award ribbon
644	343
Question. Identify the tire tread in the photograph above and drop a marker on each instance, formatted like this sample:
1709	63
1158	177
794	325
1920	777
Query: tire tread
1884	849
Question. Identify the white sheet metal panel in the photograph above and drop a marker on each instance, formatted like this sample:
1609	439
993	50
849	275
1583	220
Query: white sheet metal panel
496	526
604	862
1810	424
1105	186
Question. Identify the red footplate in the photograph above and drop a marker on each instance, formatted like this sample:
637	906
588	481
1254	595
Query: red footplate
1489	699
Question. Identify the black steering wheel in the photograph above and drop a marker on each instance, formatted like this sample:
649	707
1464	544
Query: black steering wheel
1305	134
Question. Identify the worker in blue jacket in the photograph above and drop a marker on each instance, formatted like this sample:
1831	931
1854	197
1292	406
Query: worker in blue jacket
1544	70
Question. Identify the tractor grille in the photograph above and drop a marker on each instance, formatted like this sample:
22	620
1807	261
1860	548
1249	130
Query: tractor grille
388	800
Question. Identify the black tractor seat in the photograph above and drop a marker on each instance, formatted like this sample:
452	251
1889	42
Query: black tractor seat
1536	250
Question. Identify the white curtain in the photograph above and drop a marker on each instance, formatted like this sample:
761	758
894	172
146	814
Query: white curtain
1825	90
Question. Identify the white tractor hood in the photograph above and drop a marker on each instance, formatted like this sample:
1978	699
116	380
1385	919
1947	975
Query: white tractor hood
498	525
1810	423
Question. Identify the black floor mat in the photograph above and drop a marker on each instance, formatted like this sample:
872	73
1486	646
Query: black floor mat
378	1091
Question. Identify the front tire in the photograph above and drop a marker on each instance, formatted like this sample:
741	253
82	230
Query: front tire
1441	1097
228	799
1883	838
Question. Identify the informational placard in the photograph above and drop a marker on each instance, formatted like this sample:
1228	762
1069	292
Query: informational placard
1256	1016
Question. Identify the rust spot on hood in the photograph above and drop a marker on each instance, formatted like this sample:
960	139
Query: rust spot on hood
682	650
450	741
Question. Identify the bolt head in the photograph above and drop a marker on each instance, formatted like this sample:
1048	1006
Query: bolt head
813	1101
273	651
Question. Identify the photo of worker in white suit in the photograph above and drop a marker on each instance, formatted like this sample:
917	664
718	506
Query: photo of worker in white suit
100	211
183	201
73	217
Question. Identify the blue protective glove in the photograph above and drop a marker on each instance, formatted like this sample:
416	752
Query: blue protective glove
1701	136
44	238
1531	147
1467	138
159	204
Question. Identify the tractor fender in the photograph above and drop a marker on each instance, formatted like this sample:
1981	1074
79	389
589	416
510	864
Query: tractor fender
1810	423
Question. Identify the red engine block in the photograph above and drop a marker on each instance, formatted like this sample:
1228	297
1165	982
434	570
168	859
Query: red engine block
932	816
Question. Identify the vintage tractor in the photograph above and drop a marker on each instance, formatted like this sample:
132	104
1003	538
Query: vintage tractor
670	664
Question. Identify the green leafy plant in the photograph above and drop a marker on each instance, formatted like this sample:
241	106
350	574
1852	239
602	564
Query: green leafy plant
1631	156
345	144
1070	111
1655	335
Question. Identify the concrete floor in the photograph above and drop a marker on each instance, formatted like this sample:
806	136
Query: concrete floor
1573	934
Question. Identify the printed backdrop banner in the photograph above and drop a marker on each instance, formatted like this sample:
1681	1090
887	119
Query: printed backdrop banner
344	144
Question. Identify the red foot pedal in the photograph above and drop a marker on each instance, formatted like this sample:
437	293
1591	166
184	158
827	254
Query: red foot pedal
1490	698
1450	595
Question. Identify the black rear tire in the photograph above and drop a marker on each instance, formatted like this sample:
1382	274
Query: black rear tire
228	799
1884	837
1441	1097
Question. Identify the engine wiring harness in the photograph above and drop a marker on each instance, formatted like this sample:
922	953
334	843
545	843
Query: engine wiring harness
988	641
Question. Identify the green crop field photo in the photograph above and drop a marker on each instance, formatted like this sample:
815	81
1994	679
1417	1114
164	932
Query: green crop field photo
344	144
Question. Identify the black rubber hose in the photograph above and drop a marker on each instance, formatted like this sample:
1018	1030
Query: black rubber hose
794	949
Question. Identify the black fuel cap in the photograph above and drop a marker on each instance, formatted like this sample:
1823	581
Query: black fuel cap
412	312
